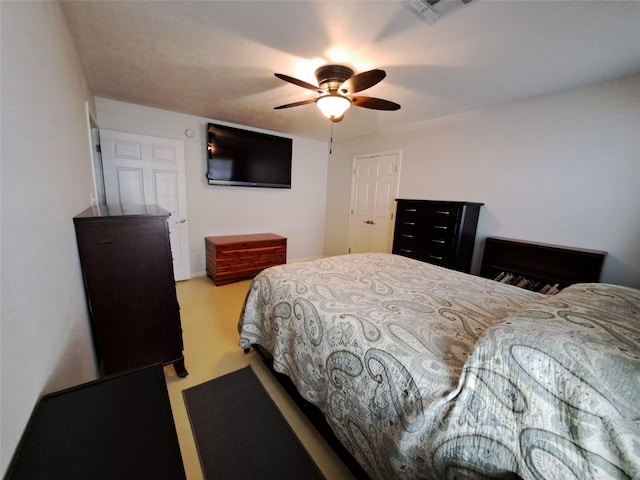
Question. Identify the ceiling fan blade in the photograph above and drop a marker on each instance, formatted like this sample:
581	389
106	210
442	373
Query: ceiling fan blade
374	103
295	104
300	83
362	81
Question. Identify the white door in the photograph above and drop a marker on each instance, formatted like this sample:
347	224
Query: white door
138	170
373	191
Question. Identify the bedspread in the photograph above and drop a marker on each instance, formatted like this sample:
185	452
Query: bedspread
424	372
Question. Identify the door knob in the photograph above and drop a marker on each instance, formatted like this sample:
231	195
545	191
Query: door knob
182	220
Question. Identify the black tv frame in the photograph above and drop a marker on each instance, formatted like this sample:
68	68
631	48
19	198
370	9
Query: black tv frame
248	149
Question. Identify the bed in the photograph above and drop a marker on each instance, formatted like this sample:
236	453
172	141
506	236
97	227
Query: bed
425	372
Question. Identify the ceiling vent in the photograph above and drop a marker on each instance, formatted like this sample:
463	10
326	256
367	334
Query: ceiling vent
431	10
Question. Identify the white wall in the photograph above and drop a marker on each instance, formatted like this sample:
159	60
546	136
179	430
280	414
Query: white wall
298	213
562	168
46	180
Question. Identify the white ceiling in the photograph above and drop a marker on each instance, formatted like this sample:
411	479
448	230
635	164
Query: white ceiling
216	59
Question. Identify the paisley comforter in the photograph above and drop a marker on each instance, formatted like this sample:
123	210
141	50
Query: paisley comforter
424	372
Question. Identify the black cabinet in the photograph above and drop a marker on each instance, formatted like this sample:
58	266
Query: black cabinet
128	275
438	232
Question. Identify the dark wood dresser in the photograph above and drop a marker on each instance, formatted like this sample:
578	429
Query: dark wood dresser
127	266
438	232
236	257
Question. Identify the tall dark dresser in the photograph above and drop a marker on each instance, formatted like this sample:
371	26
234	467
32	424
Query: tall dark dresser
438	232
127	267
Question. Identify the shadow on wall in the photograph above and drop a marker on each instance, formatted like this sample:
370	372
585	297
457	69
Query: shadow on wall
487	226
72	368
625	274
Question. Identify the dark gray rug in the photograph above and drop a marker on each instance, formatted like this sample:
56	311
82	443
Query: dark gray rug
240	433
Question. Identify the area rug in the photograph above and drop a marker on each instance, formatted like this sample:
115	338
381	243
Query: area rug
240	433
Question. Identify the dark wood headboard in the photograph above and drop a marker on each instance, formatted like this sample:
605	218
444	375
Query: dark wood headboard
540	262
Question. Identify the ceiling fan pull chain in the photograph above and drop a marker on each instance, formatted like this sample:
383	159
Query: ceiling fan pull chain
331	140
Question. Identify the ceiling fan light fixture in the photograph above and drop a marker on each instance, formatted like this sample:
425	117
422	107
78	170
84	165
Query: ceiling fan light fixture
336	86
333	106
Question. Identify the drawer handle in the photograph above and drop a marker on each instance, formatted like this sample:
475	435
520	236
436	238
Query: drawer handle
406	235
443	212
441	227
405	250
435	257
409	223
410	210
437	241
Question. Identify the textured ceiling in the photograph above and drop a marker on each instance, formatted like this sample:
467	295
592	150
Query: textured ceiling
216	59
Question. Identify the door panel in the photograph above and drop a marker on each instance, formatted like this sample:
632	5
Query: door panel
166	188
383	201
127	150
130	186
362	183
379	241
139	169
359	239
374	187
163	154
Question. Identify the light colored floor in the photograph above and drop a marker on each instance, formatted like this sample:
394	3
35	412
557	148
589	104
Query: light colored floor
209	322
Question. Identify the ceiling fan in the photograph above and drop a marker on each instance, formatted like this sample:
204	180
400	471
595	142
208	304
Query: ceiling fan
336	86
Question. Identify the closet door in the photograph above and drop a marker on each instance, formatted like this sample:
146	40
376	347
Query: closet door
373	191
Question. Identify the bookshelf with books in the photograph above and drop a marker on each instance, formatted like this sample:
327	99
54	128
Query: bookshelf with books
527	283
539	267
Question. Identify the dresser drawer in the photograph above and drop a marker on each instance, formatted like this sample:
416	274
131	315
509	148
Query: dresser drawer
416	232
424	238
435	214
438	256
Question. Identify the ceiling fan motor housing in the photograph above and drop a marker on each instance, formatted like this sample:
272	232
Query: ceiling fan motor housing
336	86
330	77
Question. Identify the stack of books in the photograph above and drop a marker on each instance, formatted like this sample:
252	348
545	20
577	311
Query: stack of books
527	283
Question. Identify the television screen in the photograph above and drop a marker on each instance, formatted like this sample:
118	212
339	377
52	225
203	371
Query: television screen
246	158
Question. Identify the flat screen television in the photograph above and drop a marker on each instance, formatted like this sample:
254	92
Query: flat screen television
246	158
